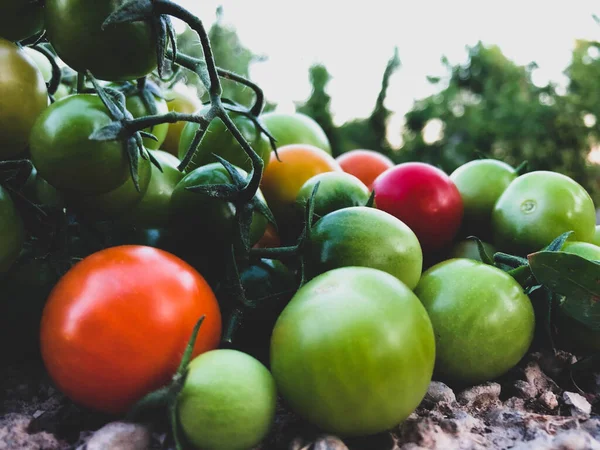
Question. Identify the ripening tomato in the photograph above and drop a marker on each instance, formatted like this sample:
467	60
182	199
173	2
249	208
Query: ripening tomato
116	325
296	128
425	199
366	165
183	99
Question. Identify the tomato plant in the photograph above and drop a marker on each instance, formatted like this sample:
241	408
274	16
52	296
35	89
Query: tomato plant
23	96
219	140
296	128
353	351
12	233
20	19
361	236
366	165
115	53
538	207
482	320
424	198
181	99
127	307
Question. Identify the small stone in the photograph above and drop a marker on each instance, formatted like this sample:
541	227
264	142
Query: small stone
482	395
525	390
548	400
439	392
329	443
120	435
37	414
579	405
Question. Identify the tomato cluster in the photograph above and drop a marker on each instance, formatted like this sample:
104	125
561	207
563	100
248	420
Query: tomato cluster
342	284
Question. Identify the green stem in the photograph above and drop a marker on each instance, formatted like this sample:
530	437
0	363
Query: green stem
274	253
56	73
259	103
142	123
208	117
80	82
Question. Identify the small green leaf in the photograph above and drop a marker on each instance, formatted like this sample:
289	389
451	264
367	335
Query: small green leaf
577	278
485	258
557	244
509	260
235	175
187	354
110	132
371	201
522	168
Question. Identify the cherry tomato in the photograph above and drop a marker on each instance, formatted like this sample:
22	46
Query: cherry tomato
41	62
117	53
135	105
424	198
596	239
116	325
353	352
538	207
227	402
12	233
181	99
367	237
23	96
482	320
470	250
366	165
219	140
296	128
20	19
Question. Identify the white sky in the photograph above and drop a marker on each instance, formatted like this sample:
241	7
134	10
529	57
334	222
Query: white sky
355	39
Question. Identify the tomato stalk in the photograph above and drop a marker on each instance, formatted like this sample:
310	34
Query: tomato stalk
54	82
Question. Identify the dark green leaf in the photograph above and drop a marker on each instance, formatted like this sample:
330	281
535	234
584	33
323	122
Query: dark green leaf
371	200
509	260
235	175
487	259
132	11
557	244
111	132
133	157
108	98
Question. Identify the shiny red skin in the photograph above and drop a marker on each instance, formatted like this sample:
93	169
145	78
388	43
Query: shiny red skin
425	199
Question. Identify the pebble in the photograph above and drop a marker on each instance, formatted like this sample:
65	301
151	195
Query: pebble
548	400
579	405
120	436
484	393
439	392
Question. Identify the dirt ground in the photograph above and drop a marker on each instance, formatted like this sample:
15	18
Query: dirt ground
538	405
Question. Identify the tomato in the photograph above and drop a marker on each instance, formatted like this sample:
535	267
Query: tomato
65	156
23	96
41	62
424	198
182	99
480	184
20	19
353	352
336	190
40	191
596	239
296	128
482	320
116	325
12	233
470	250
283	178
153	211
538	207
583	249
361	236
269	239
120	52
219	140
227	402
366	165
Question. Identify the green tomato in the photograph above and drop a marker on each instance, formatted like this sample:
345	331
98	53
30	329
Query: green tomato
23	97
480	184
20	19
120	52
41	62
296	128
227	401
65	156
337	190
136	106
483	322
596	238
153	210
219	140
353	352
12	233
367	237
470	250
538	207
583	249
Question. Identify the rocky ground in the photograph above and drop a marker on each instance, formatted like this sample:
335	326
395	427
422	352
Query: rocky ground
539	405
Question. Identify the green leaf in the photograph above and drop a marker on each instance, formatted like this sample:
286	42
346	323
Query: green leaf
487	259
522	168
574	277
371	200
511	261
557	244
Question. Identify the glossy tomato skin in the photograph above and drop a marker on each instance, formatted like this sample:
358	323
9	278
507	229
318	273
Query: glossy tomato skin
135	105
12	232
41	62
424	198
596	238
538	207
365	237
20	20
353	351
227	402
184	100
470	250
296	128
23	97
480	184
130	308
366	165
117	53
482	320
219	140
65	156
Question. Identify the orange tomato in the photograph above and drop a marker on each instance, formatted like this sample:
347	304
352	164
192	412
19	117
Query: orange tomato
116	325
366	165
184	100
283	178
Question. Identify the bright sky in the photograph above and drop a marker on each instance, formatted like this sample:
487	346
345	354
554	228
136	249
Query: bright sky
355	39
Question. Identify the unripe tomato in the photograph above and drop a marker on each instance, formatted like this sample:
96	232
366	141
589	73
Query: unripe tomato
423	197
353	351
182	99
296	128
470	250
366	165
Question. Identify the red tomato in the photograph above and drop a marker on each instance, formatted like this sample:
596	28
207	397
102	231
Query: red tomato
366	165
116	325
424	198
